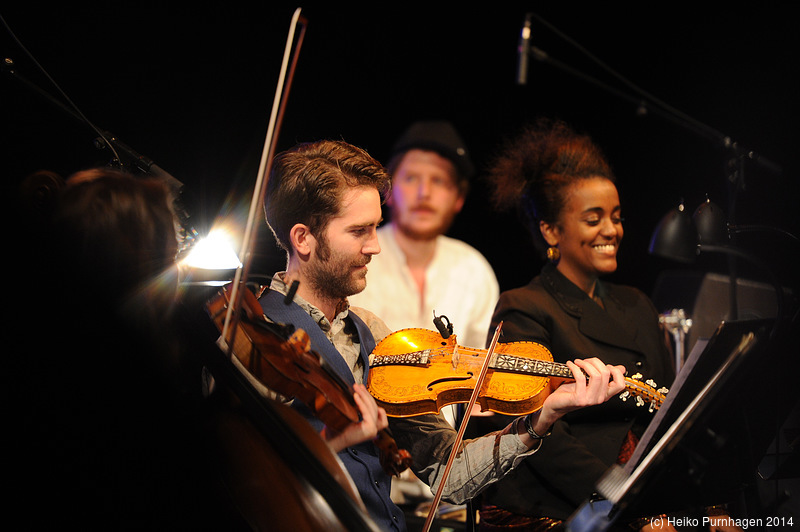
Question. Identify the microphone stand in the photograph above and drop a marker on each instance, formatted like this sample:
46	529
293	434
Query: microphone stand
123	156
646	103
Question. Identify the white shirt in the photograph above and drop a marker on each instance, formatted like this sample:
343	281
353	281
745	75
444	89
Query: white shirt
459	284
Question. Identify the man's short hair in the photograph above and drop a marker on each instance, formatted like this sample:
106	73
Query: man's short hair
308	182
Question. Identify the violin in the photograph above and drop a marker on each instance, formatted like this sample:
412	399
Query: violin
284	362
253	441
417	371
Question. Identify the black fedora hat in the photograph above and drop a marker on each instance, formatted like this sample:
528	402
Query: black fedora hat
439	136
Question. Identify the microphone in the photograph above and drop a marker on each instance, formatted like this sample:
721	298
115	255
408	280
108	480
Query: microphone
289	297
523	49
445	329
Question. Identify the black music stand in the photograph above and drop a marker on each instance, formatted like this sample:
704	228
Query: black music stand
704	445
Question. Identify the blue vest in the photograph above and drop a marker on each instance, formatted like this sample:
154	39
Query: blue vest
362	461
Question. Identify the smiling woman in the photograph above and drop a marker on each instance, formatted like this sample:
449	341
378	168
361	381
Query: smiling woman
563	189
588	232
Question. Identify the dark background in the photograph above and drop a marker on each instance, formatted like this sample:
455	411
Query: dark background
192	89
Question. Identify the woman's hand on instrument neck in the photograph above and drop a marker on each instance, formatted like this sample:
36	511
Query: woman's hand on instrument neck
604	381
373	420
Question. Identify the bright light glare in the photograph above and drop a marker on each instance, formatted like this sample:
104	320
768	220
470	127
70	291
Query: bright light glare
407	340
214	252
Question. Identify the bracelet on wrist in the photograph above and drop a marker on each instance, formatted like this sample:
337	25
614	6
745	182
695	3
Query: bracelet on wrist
532	433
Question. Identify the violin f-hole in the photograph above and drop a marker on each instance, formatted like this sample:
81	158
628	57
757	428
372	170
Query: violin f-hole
453	378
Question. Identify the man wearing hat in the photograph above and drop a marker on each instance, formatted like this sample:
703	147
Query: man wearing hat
420	270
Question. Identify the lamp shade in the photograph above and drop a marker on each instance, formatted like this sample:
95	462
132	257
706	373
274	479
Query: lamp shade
675	237
710	223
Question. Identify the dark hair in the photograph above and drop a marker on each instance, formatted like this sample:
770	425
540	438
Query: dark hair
308	181
534	170
114	228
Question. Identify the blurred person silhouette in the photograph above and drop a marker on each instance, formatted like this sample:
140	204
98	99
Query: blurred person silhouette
107	422
421	272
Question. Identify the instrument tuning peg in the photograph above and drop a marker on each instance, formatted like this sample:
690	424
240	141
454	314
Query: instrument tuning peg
624	395
637	376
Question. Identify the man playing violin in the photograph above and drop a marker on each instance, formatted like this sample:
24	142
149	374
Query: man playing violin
323	203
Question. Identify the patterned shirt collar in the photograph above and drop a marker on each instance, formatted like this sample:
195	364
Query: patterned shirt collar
279	285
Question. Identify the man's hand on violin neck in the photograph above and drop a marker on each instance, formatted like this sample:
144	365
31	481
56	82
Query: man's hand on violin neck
595	383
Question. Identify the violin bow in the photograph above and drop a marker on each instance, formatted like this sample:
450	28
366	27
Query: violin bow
462	428
285	78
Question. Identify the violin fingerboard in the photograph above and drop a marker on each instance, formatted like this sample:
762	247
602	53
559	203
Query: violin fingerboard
531	366
416	358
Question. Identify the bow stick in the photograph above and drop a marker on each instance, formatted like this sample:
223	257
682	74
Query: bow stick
267	156
462	428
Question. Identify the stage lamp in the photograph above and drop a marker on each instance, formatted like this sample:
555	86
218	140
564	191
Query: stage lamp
211	260
711	225
682	238
675	237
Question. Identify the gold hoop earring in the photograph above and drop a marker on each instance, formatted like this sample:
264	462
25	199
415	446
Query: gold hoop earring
553	254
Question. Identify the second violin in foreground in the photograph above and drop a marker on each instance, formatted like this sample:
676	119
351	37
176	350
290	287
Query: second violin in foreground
416	371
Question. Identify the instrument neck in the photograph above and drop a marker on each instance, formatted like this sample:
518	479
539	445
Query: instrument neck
498	362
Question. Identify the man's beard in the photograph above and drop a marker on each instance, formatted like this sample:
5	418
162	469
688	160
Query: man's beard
331	275
413	233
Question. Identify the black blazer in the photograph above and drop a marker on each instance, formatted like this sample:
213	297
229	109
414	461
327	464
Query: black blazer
553	311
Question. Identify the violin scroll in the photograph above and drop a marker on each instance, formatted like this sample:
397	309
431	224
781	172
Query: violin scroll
643	392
